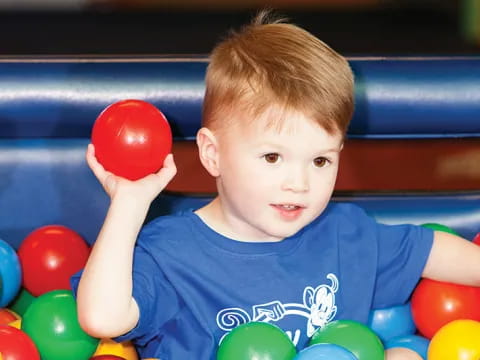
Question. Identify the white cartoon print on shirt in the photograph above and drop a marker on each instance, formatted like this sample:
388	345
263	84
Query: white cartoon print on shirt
318	308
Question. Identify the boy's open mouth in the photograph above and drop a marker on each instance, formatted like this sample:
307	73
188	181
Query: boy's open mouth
287	206
288	211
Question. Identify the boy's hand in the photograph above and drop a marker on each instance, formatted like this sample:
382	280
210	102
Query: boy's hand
146	188
401	354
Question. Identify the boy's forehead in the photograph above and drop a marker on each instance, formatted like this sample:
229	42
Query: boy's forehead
272	127
280	121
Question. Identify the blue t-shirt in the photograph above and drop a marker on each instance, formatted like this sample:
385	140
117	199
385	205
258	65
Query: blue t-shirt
194	285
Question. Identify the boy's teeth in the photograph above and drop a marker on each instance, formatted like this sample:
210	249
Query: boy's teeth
289	207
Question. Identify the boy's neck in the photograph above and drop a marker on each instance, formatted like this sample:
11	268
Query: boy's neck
213	216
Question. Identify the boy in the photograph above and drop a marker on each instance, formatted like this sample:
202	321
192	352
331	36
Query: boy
270	247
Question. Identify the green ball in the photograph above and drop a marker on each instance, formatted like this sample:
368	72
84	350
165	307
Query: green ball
440	227
21	302
256	340
354	336
51	322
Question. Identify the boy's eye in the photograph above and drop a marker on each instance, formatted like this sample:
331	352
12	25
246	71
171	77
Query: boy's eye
271	158
321	162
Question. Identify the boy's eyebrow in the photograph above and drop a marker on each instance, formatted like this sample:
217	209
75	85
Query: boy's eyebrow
330	150
320	151
335	149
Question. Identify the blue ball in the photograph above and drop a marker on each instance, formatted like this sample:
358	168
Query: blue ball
416	343
10	273
325	352
391	322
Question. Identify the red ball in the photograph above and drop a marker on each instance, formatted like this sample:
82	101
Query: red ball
49	256
436	303
476	239
131	139
16	345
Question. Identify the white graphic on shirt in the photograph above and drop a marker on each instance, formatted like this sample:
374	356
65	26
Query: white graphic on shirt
318	307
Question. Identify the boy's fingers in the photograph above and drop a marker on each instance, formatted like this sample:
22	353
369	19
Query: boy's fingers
169	167
169	163
94	165
166	173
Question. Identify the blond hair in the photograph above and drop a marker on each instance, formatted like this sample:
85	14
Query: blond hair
270	62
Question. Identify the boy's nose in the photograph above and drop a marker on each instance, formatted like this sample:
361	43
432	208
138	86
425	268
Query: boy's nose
296	180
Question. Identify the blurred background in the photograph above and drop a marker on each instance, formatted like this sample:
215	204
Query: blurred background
153	27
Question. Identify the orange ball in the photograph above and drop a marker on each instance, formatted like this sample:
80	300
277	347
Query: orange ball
7	316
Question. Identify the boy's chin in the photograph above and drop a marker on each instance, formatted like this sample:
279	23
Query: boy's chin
285	233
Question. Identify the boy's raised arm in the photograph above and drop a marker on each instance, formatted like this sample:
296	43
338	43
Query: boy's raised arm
453	259
105	304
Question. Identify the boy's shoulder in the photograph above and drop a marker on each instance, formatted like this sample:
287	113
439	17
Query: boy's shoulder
346	211
344	218
169	227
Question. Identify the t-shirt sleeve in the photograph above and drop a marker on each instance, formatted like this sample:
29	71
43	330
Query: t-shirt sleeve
403	251
154	294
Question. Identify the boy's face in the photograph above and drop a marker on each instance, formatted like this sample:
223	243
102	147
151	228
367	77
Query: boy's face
272	182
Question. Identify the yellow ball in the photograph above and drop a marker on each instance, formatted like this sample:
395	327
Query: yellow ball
457	340
109	347
16	324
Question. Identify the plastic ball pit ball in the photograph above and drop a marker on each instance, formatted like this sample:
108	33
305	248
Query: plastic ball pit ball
10	273
125	349
21	302
49	256
440	227
391	322
436	303
256	340
457	340
353	336
325	352
16	344
476	239
131	139
51	322
7	316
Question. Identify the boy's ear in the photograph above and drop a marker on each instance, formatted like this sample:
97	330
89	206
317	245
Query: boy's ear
208	150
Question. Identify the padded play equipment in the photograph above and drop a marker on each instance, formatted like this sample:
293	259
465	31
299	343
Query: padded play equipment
405	107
